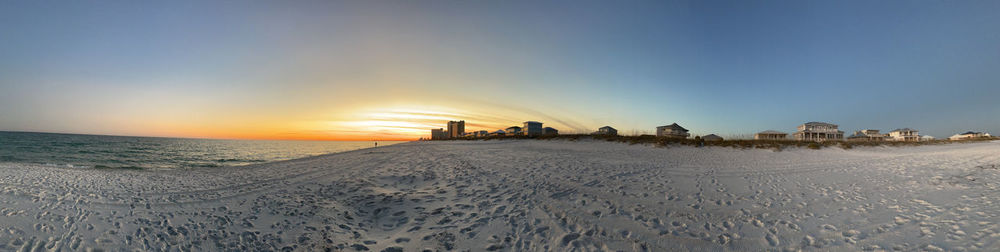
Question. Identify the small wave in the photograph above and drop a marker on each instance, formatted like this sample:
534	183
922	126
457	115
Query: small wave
225	160
104	167
114	152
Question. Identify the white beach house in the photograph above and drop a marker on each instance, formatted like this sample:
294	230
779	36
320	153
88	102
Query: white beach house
904	135
869	135
818	131
672	130
969	135
770	135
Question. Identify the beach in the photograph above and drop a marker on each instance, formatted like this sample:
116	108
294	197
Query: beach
522	195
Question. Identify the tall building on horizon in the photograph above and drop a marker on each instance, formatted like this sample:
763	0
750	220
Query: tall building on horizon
532	128
456	129
438	134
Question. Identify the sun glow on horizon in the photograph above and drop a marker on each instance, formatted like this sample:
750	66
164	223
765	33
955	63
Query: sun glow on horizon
401	123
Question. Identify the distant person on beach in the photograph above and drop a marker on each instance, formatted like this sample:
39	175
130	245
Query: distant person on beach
376	144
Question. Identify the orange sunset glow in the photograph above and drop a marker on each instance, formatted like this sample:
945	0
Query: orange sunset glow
504	125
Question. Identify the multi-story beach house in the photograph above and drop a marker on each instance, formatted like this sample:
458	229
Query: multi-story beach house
606	130
532	128
869	135
456	129
498	133
672	130
770	135
904	135
969	135
438	134
550	131
513	131
818	131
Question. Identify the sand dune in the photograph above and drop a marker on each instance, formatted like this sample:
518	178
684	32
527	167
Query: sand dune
522	195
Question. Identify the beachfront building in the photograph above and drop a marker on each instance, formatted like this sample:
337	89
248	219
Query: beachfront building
477	134
438	134
969	135
550	131
904	135
532	128
927	138
672	130
818	131
513	131
606	130
456	129
868	135
711	137
770	135
498	133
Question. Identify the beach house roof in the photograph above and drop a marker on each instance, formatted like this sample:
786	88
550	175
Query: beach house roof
499	132
819	124
606	127
711	137
673	126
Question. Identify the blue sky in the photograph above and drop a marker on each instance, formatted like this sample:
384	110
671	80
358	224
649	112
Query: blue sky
286	69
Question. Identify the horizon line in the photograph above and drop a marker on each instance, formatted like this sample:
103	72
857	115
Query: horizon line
215	138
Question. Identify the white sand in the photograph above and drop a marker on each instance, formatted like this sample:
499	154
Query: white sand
523	195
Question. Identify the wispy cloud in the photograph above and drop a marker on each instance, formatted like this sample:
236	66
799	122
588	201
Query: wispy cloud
416	121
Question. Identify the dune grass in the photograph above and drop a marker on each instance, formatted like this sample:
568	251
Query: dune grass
776	145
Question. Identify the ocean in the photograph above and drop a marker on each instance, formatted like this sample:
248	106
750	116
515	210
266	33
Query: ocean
126	152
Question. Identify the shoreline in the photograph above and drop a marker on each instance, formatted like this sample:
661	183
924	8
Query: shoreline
249	162
522	195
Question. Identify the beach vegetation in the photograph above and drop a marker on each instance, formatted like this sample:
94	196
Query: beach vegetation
775	145
814	146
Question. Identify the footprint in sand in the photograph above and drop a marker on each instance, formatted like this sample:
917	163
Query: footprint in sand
772	240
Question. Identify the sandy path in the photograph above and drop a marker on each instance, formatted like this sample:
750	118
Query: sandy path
522	195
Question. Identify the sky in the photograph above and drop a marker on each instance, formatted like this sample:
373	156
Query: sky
393	70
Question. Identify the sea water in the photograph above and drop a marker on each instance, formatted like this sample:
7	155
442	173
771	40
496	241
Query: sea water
125	152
